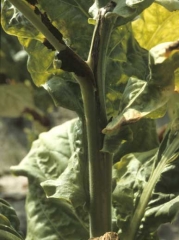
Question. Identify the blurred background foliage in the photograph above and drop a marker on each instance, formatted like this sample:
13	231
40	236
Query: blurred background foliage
25	110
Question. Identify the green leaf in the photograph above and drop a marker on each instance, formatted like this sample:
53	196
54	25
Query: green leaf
168	4
144	138
55	158
15	99
156	25
125	59
130	177
9	222
149	99
65	16
128	10
65	93
177	80
144	181
112	142
15	23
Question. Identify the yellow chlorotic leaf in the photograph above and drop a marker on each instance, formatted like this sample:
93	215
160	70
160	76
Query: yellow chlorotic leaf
156	25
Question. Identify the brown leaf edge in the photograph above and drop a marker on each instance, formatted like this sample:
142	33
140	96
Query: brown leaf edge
107	236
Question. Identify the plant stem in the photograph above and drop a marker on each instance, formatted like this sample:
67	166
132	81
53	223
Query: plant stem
100	165
98	57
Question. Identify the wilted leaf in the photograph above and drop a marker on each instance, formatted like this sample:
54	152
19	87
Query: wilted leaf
51	160
149	99
156	25
9	222
107	236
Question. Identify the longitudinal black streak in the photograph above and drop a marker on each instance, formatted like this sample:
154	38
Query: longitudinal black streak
52	28
48	45
173	46
46	21
70	63
32	2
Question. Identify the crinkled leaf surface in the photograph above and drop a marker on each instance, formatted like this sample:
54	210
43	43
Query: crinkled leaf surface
150	200
50	161
9	222
130	181
125	59
66	16
148	99
156	25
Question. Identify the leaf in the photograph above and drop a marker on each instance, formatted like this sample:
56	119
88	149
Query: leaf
144	138
65	93
9	222
128	10
156	25
51	161
15	99
112	142
170	5
130	180
65	16
125	59
148	99
124	10
108	235
144	183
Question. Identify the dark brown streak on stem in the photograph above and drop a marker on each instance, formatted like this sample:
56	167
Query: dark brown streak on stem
71	62
32	2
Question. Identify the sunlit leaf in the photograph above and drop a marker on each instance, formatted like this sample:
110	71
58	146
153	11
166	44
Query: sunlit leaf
126	10
149	99
156	25
65	16
125	59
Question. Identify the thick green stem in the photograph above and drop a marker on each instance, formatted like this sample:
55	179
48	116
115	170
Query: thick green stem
100	165
98	57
